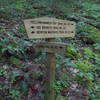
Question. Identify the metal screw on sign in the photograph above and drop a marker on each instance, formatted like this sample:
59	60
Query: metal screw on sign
50	28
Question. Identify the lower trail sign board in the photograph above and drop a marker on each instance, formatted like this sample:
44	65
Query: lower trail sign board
51	47
49	28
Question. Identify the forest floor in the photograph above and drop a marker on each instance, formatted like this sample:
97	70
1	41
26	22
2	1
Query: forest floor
23	70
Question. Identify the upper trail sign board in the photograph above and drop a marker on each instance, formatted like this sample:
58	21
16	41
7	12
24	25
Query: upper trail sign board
46	27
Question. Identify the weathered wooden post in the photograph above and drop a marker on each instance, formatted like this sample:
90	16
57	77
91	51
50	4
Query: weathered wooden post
50	28
50	92
50	71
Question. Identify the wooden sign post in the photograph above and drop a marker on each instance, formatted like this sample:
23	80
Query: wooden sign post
51	62
50	28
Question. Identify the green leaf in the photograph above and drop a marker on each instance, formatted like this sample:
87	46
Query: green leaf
88	52
84	66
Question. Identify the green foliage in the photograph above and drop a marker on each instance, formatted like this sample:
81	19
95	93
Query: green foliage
96	46
95	92
84	66
88	52
85	78
37	75
11	47
15	94
72	52
60	85
61	98
2	72
13	76
94	36
90	33
21	79
20	4
22	29
24	86
84	29
15	62
97	58
42	96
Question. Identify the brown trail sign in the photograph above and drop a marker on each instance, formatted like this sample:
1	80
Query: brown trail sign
49	28
46	27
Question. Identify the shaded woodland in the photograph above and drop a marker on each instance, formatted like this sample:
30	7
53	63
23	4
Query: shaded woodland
22	70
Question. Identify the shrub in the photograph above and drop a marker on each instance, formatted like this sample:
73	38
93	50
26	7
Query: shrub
88	52
72	52
84	66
